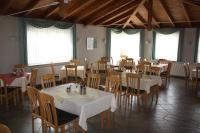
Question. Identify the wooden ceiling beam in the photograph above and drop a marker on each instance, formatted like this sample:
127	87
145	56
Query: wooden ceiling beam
111	8
134	12
143	25
119	18
75	6
189	2
153	19
49	11
87	12
30	5
7	6
120	12
150	14
166	11
185	12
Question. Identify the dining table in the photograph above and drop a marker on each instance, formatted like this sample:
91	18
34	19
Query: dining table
21	80
163	67
89	104
146	81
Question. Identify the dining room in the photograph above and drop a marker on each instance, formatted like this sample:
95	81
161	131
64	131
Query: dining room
99	66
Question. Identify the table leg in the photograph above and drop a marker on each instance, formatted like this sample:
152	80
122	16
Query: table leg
108	119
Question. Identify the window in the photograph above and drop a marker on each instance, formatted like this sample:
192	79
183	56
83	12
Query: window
124	44
166	46
198	54
46	45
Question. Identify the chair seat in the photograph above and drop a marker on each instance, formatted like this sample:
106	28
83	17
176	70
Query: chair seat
9	89
65	117
135	91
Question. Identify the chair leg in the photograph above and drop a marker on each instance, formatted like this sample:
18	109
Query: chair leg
6	99
63	129
32	124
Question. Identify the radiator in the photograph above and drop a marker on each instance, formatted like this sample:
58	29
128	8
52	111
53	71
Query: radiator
177	69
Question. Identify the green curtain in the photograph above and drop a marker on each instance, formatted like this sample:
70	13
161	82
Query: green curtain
40	23
153	44
108	42
180	45
196	44
142	32
22	42
74	41
166	31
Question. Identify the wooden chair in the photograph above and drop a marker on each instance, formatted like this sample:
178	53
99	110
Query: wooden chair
71	73
48	80
166	75
20	66
129	64
7	93
113	84
140	69
133	89
75	62
163	61
155	71
54	117
187	74
102	66
122	64
106	59
93	80
33	95
33	77
4	129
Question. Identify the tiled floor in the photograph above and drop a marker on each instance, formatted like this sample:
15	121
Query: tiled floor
177	111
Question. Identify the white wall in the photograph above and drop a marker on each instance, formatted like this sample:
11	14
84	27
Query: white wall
90	31
9	43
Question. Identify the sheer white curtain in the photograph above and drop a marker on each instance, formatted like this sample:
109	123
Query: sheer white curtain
124	44
166	46
46	45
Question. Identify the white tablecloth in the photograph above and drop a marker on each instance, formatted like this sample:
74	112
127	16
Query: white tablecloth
163	67
80	72
86	106
21	82
146	82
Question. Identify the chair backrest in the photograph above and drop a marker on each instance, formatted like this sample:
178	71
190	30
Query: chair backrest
48	109
52	68
4	129
93	80
163	61
133	82
106	59
75	62
102	65
71	71
48	80
169	68
130	62
112	83
140	69
20	67
155	71
33	78
122	64
187	69
33	95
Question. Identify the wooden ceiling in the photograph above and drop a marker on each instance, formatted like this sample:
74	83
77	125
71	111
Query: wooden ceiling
110	13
